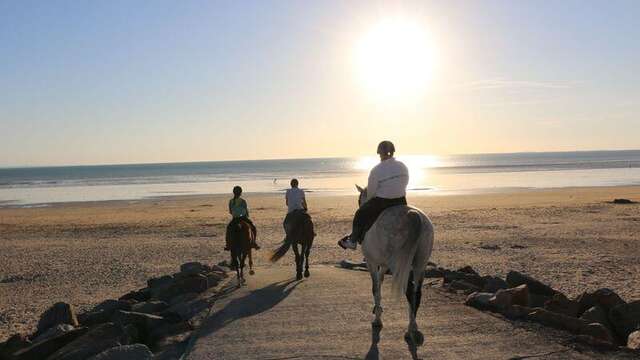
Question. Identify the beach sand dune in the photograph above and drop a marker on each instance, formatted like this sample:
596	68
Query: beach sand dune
83	253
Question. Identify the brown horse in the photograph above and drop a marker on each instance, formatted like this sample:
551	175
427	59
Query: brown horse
241	238
301	233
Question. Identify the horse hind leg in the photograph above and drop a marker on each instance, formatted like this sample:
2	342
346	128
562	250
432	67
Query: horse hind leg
298	261
414	296
377	277
306	249
251	272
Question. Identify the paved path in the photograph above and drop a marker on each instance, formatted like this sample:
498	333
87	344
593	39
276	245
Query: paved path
327	316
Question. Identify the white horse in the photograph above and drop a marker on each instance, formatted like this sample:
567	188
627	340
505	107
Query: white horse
401	240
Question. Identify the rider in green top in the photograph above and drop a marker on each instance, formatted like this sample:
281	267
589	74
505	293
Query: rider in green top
239	211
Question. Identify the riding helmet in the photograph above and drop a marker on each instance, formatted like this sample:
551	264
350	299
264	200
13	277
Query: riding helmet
237	190
386	148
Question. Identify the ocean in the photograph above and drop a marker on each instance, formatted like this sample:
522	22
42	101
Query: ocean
430	175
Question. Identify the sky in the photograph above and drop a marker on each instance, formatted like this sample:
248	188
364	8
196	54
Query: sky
89	82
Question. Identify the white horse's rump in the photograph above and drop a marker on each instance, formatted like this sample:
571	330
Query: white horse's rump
401	239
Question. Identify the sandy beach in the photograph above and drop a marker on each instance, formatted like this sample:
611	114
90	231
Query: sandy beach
83	253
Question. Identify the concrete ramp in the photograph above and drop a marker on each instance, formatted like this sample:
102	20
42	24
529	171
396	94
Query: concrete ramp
328	316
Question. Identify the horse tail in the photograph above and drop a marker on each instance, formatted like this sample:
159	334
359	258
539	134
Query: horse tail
279	252
403	258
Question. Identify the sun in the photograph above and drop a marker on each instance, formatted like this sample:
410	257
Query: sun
395	59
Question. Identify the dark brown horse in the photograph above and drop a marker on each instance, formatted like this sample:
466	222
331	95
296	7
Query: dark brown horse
301	233
241	238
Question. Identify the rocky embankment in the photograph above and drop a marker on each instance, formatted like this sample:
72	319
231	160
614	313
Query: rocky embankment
600	318
150	323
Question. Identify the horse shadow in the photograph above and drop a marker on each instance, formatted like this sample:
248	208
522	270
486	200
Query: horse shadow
255	302
374	352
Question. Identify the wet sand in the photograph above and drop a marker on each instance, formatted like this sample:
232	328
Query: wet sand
83	253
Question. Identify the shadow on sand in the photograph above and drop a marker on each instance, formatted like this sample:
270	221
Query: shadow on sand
256	302
374	352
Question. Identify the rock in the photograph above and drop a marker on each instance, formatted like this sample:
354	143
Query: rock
633	341
48	345
59	313
555	320
95	341
194	268
505	298
13	344
53	332
94	318
536	300
466	287
596	343
220	269
625	318
150	307
433	272
168	330
480	300
596	314
560	304
493	283
186	310
144	323
599	332
491	247
451	276
348	264
214	277
517	312
125	352
182	298
137	295
515	278
111	306
160	281
189	284
623	201
468	270
606	298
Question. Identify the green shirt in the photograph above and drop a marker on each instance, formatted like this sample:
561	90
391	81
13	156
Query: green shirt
238	207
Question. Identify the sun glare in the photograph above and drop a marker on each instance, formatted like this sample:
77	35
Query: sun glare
395	59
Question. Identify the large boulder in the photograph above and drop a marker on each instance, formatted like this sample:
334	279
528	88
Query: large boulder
451	276
505	298
98	339
13	344
633	341
625	318
493	283
194	268
125	352
137	295
94	318
186	310
515	278
53	332
464	286
606	298
149	307
160	281
48	345
560	304
144	323
537	300
188	284
480	300
596	314
112	305
59	313
555	320
599	332
517	312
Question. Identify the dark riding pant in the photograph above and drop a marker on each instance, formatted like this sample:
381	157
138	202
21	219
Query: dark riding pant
368	213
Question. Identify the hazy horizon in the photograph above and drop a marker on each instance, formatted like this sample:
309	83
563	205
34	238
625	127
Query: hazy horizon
162	82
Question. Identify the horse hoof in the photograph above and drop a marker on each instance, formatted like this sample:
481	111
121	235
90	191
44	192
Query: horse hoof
251	272
298	276
414	337
306	273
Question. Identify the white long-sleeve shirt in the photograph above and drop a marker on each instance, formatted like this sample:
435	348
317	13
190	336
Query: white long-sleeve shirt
388	180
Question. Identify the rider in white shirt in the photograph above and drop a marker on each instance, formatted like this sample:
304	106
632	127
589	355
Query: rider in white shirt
387	187
296	207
